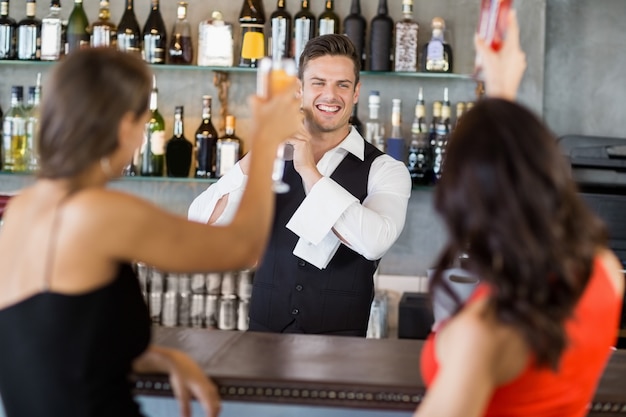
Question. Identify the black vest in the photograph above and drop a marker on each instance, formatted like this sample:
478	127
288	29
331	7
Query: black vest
336	299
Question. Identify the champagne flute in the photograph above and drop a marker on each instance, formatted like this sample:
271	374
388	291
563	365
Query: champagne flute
273	75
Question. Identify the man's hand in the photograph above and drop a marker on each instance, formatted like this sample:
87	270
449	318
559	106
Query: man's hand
303	158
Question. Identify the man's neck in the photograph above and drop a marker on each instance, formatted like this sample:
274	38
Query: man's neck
322	142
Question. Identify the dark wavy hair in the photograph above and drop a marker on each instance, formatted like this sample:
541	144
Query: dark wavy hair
87	95
508	200
333	45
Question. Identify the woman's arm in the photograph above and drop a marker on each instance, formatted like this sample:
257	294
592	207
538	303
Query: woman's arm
186	378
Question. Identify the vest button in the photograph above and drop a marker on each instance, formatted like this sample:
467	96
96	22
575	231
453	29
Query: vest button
295	311
301	263
299	287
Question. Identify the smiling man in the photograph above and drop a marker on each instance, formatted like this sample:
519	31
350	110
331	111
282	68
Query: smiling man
345	208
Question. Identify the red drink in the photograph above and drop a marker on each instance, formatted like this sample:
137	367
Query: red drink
492	22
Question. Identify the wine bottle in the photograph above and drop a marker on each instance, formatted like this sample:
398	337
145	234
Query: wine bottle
32	125
153	149
228	148
418	159
354	26
29	34
154	36
354	119
51	33
8	36
14	133
328	21
77	32
395	144
374	130
206	137
440	139
181	48
303	29
280	21
252	23
103	31
406	40
437	54
128	31
381	39
178	150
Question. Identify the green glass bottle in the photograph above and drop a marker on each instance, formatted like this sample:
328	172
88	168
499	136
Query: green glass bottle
77	28
153	149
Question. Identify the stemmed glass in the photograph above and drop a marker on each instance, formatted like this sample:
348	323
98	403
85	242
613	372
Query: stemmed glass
273	75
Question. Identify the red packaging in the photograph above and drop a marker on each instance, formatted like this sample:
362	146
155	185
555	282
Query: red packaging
492	23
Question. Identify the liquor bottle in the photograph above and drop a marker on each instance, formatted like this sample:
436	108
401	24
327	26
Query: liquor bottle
374	130
418	159
354	119
103	31
280	22
8	36
381	39
14	133
154	36
181	48
206	137
460	109
29	34
52	45
229	149
303	29
128	31
32	125
77	31
328	21
153	149
395	144
252	22
406	40
215	42
178	150
437	54
354	26
442	131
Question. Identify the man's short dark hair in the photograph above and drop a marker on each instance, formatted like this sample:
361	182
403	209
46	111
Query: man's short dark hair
333	45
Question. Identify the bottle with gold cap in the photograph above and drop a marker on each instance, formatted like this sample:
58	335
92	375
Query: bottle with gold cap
437	53
229	148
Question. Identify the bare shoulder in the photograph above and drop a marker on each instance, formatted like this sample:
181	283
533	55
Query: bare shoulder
614	269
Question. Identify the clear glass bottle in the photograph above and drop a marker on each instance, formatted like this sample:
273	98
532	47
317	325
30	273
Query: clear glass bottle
14	142
181	47
280	22
303	29
374	130
460	109
52	33
29	34
381	39
32	125
103	31
354	26
206	138
437	54
395	144
8	32
418	159
179	150
153	149
154	36
128	31
328	21
252	24
215	42
229	148
406	41
77	32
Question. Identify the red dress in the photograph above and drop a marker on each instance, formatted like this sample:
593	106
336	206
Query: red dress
591	332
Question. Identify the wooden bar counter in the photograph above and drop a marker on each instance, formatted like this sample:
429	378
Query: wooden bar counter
327	371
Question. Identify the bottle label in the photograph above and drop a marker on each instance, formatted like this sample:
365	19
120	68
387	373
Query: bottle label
153	49
227	153
253	43
50	39
436	59
279	38
157	142
28	46
215	44
302	34
327	26
101	36
128	42
406	47
7	41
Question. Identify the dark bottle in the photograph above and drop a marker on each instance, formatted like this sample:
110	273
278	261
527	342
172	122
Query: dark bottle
206	137
381	39
418	159
354	26
8	33
154	36
355	121
442	132
437	54
328	21
103	31
395	144
52	43
181	48
128	31
178	150
153	149
280	22
77	32
229	149
29	34
252	23
303	29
